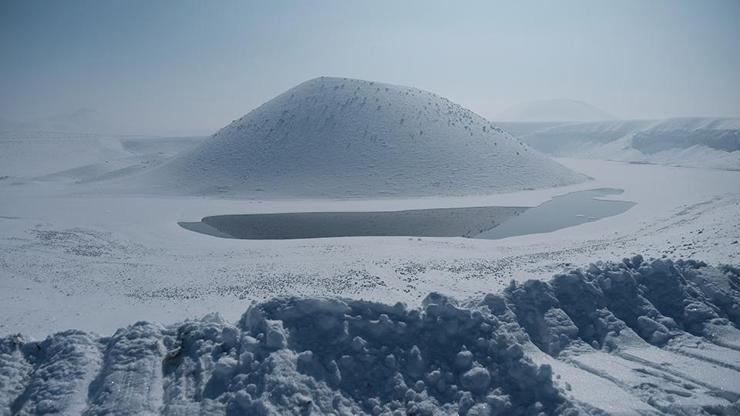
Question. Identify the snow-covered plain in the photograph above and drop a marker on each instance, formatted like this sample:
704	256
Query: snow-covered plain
97	261
84	252
123	258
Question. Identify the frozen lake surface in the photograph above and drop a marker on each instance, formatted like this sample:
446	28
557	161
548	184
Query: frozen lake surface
474	222
560	212
438	222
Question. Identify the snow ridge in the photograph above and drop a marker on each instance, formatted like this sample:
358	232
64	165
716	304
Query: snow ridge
536	348
692	142
340	137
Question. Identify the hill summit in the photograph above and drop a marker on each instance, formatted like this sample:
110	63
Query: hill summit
339	137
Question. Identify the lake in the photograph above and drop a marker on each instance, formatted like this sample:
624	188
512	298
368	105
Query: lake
472	222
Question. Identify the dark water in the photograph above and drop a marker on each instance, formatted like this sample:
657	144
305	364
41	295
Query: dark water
473	222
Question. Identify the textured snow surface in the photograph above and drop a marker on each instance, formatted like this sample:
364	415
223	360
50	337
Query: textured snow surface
636	337
341	137
691	142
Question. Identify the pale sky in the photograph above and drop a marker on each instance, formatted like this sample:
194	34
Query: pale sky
193	66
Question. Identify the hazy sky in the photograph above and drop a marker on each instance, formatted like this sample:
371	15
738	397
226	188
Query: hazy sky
193	66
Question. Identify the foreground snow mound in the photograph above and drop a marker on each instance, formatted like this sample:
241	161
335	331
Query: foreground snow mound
343	137
657	300
485	357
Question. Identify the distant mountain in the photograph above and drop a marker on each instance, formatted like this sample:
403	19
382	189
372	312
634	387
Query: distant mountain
695	141
82	120
338	137
557	110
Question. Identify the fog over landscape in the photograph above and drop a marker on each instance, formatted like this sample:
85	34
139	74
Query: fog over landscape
369	208
190	67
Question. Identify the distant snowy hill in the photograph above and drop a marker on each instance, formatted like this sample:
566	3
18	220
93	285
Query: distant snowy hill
693	142
82	157
338	137
555	110
82	120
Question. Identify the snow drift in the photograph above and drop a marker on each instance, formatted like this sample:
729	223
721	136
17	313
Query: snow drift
341	137
508	353
693	142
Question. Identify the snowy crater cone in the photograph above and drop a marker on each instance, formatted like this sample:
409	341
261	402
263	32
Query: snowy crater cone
340	137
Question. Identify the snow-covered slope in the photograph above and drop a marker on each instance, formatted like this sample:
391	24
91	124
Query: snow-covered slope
54	155
693	142
337	137
24	154
635	337
558	110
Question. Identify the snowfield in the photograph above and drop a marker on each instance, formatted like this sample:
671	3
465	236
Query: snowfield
194	221
552	323
633	337
96	261
65	255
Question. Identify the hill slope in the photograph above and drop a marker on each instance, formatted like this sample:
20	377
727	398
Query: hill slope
695	142
336	137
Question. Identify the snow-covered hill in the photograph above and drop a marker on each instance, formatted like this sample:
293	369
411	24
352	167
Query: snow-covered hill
81	157
555	110
338	137
636	337
692	142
